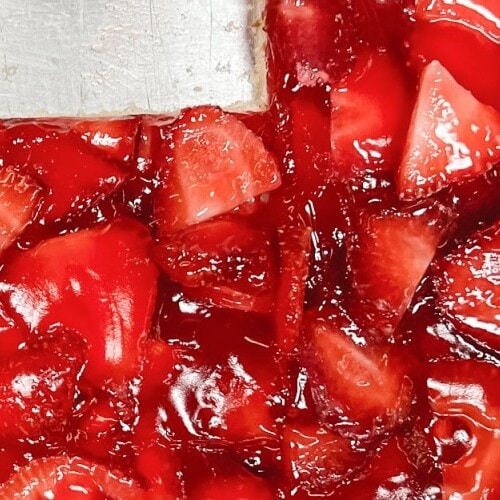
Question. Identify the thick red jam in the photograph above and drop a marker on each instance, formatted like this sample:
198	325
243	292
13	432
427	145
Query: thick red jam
294	304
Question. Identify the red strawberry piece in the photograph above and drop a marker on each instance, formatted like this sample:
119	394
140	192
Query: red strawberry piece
370	115
71	478
316	461
99	282
36	394
75	177
19	199
12	335
389	257
452	136
467	286
295	248
359	390
465	38
315	39
222	401
158	467
464	396
115	138
482	16
216	164
224	261
152	149
389	475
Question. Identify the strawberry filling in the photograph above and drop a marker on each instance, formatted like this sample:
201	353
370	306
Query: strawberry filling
300	303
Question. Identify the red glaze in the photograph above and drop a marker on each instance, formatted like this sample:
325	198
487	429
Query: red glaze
254	307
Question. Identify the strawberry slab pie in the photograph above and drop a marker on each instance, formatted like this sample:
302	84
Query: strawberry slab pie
297	303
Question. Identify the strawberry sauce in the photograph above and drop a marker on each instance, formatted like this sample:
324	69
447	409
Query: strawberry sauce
299	303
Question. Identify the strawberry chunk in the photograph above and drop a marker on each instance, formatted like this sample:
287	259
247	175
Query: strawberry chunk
12	335
295	249
216	164
99	282
464	36
116	138
19	199
315	460
389	257
36	394
464	396
69	477
224	261
359	390
75	177
452	136
467	286
222	401
315	39
370	115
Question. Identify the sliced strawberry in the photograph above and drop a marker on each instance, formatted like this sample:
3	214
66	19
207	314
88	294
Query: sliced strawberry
478	15
452	136
19	199
370	115
467	286
464	36
389	475
389	257
359	390
71	478
99	282
464	396
295	249
12	335
159	468
75	177
216	164
115	138
222	401
224	261
36	394
315	460
315	39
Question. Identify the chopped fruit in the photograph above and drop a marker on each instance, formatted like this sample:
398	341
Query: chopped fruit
317	461
390	475
370	115
359	390
36	394
74	176
231	262
317	38
478	15
295	249
99	282
115	138
464	396
464	36
217	163
19	199
389	256
69	477
12	335
452	136
223	401
467	286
